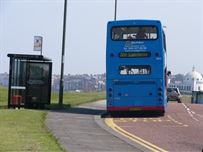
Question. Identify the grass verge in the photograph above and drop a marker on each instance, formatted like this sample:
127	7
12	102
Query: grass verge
25	130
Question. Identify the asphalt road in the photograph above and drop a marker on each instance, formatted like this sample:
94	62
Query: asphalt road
180	130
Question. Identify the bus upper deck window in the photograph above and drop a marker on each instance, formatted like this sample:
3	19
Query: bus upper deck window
134	32
141	35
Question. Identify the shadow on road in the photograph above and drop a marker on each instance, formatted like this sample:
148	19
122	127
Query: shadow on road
80	110
137	114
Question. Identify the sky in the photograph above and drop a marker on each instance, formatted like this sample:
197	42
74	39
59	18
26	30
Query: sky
85	43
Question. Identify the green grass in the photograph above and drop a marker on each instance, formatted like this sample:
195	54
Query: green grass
74	99
70	99
185	99
25	130
3	97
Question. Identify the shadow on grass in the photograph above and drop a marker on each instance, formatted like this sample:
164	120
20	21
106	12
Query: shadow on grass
3	107
91	110
65	108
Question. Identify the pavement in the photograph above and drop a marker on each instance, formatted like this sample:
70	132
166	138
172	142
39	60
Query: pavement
83	129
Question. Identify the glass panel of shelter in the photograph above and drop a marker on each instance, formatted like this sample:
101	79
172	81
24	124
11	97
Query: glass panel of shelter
18	81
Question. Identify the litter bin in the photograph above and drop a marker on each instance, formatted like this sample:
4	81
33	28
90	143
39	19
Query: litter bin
17	99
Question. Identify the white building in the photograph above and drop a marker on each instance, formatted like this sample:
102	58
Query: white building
192	81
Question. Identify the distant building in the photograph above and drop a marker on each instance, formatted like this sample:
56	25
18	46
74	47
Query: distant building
192	81
4	78
82	83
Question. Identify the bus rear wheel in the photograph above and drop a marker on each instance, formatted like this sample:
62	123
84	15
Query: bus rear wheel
161	113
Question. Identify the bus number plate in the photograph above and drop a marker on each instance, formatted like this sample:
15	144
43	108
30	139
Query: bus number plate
135	109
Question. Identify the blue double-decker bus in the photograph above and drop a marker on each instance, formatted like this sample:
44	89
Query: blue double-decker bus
136	69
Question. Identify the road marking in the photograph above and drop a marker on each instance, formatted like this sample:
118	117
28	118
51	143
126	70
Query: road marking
179	123
155	120
148	145
191	113
173	126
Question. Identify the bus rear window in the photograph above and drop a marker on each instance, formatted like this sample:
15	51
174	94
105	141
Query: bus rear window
135	69
134	32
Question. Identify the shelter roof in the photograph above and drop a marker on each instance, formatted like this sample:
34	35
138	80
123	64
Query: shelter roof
29	57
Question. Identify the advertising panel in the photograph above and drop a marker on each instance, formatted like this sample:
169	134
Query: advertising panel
38	83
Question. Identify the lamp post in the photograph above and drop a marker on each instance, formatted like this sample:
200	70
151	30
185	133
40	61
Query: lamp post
115	10
63	55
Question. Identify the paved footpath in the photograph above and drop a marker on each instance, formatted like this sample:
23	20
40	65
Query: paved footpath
81	129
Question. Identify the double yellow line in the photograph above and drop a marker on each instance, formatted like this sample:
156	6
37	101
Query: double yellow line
154	148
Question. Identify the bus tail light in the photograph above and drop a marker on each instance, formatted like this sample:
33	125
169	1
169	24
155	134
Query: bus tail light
160	88
160	99
110	89
112	54
110	94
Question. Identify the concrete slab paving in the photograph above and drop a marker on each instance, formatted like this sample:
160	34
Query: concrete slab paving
81	129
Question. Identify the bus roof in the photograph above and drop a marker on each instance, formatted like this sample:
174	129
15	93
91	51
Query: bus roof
135	22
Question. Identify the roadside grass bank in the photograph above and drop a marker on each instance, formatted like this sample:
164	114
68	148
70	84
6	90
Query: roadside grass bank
71	99
186	98
25	129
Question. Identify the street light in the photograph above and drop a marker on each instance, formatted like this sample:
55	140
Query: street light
63	55
115	9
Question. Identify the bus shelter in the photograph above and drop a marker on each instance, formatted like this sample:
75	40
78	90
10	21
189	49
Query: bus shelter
197	97
29	81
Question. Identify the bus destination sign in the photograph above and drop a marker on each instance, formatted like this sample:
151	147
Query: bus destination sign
134	54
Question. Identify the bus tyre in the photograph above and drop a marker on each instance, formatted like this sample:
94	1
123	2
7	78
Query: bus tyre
113	114
162	114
